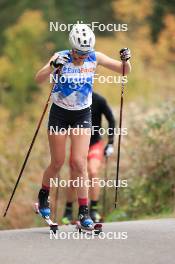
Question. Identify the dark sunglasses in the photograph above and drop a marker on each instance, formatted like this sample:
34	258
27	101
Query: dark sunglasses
82	53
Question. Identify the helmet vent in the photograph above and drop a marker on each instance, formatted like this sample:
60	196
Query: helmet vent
79	40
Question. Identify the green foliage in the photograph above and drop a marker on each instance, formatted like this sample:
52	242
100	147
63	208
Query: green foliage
26	44
160	10
150	173
23	52
87	11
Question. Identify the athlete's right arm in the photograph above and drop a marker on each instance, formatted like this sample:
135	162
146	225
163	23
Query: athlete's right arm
45	71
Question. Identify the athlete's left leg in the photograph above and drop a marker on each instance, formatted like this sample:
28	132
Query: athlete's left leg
80	146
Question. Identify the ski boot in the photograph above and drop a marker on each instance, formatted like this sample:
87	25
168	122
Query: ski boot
43	203
42	208
84	218
85	222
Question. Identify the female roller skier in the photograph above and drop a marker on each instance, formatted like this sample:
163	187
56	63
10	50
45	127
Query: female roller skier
71	101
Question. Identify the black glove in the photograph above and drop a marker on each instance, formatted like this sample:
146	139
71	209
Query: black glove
125	54
59	61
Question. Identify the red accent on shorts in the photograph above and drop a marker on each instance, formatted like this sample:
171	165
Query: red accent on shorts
96	151
82	201
47	188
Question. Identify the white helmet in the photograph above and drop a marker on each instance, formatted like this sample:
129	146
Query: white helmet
82	38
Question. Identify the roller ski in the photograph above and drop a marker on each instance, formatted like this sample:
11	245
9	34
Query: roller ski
86	224
42	208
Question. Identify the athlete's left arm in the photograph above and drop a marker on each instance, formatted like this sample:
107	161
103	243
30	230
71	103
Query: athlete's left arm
112	64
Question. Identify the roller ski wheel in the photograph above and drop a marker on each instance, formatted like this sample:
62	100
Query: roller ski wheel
53	226
96	228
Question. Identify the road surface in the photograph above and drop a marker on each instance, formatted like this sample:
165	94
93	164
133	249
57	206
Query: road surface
144	242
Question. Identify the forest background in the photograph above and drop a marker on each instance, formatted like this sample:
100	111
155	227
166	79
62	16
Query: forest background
147	154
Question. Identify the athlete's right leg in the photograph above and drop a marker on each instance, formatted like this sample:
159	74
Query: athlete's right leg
57	152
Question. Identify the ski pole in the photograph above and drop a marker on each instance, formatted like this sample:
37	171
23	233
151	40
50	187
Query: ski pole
28	153
104	191
119	138
59	66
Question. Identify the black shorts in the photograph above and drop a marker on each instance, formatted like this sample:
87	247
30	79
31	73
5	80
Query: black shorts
62	119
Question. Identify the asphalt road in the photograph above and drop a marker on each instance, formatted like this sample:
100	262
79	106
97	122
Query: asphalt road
134	242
